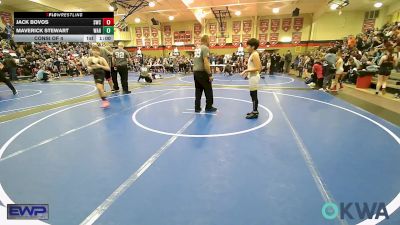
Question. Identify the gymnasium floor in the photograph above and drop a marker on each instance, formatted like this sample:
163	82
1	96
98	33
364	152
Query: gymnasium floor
150	160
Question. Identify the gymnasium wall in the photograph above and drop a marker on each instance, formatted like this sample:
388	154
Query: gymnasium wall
331	26
395	17
315	32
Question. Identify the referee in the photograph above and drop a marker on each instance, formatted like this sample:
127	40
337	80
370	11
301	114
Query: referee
202	76
3	78
120	60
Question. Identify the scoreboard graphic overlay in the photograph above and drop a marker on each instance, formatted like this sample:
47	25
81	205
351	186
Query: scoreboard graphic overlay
63	26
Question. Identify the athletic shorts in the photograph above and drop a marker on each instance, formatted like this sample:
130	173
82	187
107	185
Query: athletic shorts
99	75
385	71
254	82
107	75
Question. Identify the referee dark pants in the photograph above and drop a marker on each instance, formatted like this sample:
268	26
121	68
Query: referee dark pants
123	72
7	82
202	83
114	75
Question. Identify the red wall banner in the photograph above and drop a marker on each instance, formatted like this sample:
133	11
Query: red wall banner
183	36
236	40
298	23
147	42
263	38
168	42
212	27
296	37
245	38
275	24
146	31
286	24
167	30
274	38
154	42
213	40
154	32
197	41
139	42
138	31
197	29
368	25
247	26
222	41
236	26
264	25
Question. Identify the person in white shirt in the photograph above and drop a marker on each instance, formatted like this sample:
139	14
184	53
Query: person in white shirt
253	74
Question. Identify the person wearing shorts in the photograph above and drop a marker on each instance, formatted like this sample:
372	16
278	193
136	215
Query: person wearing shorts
335	86
98	66
253	74
386	64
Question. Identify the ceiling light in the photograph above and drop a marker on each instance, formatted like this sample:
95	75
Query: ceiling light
334	6
188	2
238	13
378	4
275	10
137	20
152	4
171	17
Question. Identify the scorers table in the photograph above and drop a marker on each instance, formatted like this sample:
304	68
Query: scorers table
63	26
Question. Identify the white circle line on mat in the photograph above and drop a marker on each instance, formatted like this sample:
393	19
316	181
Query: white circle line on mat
134	119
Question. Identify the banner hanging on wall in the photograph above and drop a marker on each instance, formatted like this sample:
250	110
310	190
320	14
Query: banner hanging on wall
247	26
167	30
264	25
138	31
212	27
286	24
296	37
298	23
236	26
168	42
6	17
197	40
263	38
213	40
368	25
197	29
274	38
221	41
154	42
275	24
245	38
154	32
235	40
146	31
139	42
147	42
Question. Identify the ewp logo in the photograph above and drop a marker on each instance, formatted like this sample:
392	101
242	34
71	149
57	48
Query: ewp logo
27	211
330	210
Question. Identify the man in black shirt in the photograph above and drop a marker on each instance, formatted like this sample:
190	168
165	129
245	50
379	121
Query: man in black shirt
4	79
